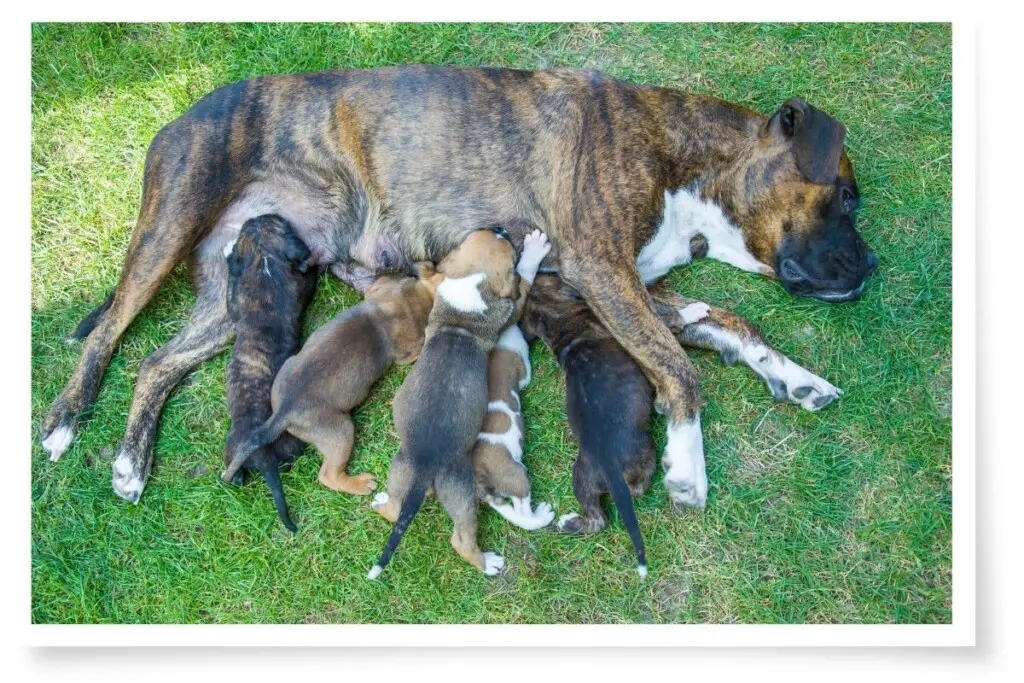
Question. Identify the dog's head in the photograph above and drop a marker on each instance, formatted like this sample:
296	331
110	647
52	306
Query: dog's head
263	242
556	313
489	251
795	198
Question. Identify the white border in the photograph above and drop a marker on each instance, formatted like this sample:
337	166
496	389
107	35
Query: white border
961	632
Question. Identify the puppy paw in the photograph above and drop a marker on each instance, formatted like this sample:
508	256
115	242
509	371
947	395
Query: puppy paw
493	563
536	246
545	512
359	485
694	312
128	481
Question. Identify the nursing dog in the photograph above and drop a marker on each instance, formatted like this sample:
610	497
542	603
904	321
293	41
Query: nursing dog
268	288
316	390
377	168
440	407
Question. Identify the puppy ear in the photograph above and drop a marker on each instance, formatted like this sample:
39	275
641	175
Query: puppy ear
817	139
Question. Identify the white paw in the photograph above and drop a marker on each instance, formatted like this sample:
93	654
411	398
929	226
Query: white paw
685	476
565	519
493	563
808	390
694	312
545	511
536	246
127	484
380	500
58	441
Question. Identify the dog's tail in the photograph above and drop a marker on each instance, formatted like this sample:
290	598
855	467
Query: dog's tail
624	502
90	321
261	436
410	506
272	475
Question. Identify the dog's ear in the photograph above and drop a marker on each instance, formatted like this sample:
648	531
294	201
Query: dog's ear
817	139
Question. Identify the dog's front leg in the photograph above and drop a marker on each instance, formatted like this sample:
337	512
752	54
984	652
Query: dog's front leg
736	339
620	300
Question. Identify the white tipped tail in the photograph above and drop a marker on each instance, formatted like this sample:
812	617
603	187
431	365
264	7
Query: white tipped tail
642	571
375	572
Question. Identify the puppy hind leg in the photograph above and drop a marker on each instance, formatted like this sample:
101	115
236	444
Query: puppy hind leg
459	501
588	485
389	503
208	332
334	438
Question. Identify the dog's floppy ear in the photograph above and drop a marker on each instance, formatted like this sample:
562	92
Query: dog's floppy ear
817	139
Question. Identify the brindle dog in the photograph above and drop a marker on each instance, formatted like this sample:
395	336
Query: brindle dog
269	287
379	167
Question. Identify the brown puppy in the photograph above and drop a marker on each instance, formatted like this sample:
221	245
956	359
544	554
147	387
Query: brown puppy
441	406
268	288
317	389
609	404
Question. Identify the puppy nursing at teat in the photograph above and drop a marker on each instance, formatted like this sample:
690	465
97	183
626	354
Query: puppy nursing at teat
440	408
317	389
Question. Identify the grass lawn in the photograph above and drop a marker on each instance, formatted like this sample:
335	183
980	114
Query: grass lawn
842	516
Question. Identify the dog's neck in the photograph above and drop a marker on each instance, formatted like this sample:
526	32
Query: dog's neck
706	136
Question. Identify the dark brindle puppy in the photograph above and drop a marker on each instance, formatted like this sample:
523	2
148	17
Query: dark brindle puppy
376	168
608	401
268	289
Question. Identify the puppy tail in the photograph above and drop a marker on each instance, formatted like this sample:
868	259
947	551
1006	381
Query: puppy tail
624	502
261	436
410	506
90	321
272	476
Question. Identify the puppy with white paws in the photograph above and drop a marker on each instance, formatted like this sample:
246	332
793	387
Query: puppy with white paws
441	406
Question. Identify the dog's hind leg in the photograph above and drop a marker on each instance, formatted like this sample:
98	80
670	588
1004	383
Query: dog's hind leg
177	207
736	339
334	436
588	485
459	501
208	331
389	503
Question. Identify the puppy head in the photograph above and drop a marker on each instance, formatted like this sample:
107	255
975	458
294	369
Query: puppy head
261	240
487	251
555	312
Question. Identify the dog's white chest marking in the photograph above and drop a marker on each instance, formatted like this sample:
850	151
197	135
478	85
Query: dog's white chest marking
511	440
685	216
463	293
512	339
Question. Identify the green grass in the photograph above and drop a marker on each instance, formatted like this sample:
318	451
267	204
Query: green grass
842	516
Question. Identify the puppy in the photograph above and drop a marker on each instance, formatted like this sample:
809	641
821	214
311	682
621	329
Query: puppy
440	407
498	454
609	403
268	289
317	389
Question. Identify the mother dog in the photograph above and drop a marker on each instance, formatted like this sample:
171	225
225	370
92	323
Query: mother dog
379	168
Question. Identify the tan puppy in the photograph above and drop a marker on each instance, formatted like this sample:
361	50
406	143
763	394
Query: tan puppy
316	389
440	408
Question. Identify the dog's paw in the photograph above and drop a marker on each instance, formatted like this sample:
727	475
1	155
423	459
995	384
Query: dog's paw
793	384
493	563
59	438
694	312
565	522
685	476
127	481
545	512
380	500
536	246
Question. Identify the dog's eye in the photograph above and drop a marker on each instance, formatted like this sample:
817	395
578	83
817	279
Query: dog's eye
848	199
